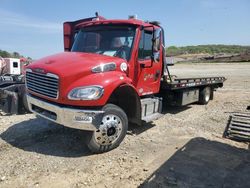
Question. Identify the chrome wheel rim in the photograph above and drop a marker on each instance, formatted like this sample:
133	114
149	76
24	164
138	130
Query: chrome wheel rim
109	130
207	94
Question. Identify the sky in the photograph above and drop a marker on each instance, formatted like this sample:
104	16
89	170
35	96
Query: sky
35	28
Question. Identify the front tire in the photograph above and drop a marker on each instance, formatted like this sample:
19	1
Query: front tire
111	131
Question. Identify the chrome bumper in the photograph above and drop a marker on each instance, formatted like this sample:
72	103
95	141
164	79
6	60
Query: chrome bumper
69	117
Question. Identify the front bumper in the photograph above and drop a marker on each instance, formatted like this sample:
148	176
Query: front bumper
69	117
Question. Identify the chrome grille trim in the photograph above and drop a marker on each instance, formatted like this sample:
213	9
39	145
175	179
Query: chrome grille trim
38	76
46	84
43	88
44	81
43	84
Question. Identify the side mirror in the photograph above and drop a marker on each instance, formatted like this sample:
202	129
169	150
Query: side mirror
156	44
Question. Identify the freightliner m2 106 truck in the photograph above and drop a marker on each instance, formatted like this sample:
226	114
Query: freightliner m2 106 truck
112	73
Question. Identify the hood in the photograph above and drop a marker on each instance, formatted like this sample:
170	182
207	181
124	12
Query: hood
73	64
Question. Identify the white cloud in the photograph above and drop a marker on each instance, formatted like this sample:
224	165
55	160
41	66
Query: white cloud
8	18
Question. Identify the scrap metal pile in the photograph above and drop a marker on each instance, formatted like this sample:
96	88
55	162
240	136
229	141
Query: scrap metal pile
238	127
12	86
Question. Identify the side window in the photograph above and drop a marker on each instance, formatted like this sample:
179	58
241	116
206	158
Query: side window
145	46
15	64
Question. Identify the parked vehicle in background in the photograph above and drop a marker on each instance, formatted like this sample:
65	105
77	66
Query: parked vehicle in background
12	87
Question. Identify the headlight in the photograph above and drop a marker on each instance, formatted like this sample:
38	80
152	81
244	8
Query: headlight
86	93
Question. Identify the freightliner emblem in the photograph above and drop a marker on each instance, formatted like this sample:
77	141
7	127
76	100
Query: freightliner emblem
39	70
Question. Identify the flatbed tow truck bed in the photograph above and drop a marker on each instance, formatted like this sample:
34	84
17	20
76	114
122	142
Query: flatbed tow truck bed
184	91
182	83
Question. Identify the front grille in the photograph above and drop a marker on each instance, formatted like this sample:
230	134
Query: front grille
42	84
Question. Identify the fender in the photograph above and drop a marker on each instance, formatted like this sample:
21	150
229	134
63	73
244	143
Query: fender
108	80
126	97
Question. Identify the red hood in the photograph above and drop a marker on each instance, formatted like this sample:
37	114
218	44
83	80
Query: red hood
76	64
74	70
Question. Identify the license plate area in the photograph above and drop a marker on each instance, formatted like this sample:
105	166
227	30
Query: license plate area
83	118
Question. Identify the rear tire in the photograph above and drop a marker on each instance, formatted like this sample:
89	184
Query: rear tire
112	130
205	95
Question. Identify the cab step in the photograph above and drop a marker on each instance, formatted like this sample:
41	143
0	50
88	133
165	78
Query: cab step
151	108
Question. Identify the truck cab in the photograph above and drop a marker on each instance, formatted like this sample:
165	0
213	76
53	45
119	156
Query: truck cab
110	74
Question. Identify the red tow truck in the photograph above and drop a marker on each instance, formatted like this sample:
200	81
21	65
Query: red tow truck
112	72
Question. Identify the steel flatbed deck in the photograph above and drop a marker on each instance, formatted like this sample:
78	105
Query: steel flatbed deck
182	83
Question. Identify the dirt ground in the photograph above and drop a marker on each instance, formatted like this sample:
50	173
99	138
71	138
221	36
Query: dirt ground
184	148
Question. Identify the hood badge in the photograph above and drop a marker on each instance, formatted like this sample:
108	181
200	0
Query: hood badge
39	70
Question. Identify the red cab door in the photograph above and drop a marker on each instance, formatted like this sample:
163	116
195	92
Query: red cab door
149	69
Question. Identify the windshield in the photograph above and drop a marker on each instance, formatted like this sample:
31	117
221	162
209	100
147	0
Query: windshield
114	41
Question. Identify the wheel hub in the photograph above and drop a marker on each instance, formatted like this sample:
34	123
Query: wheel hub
109	130
207	94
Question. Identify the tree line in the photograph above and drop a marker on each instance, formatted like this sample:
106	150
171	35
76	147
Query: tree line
174	50
6	54
209	49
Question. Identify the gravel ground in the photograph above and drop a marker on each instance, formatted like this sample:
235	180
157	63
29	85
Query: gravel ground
184	148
